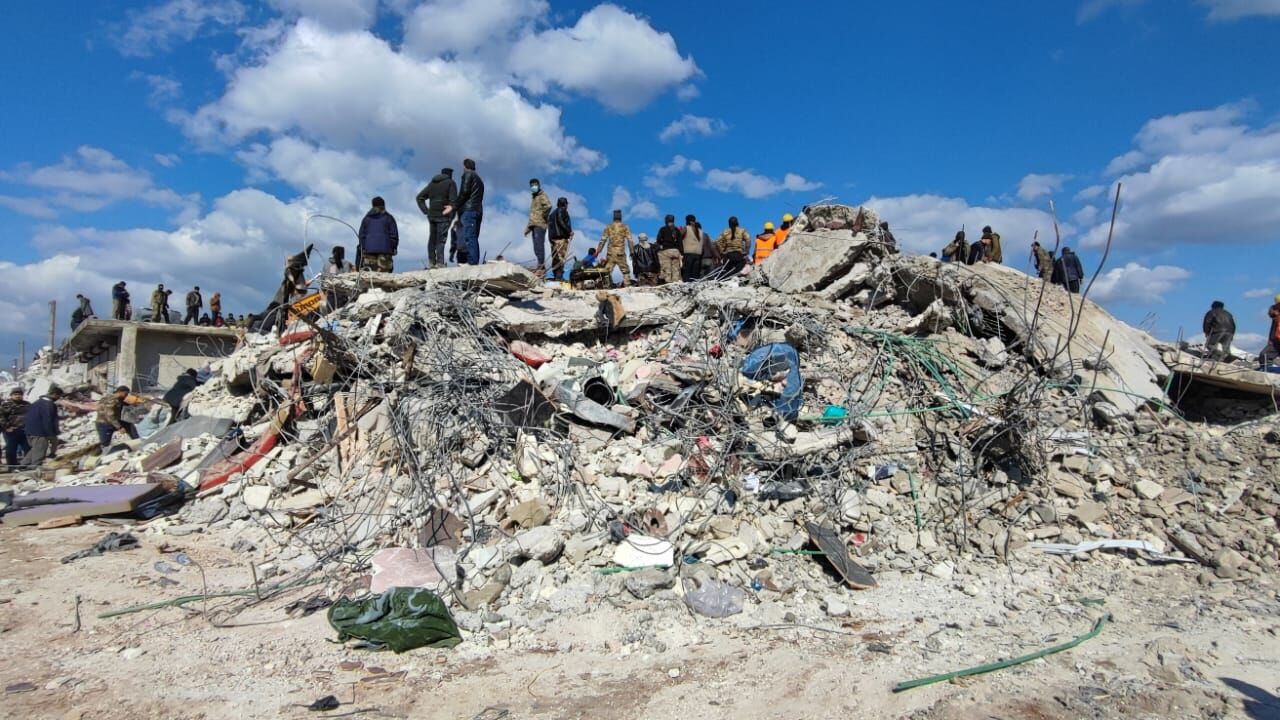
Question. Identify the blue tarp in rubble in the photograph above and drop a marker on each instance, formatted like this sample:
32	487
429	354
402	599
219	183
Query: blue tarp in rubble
768	361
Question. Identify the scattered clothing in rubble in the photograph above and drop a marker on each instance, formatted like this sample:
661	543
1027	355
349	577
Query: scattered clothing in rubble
111	543
1219	330
766	363
399	619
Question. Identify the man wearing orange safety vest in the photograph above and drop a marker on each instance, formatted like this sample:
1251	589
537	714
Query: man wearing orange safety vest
764	243
779	237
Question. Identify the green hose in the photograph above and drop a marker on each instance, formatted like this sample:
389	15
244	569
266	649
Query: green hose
1002	664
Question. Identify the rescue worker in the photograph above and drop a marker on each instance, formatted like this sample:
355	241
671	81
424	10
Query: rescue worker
560	229
616	245
13	412
1271	352
1042	260
379	238
710	255
160	304
539	209
185	383
957	250
977	252
887	237
119	301
471	207
1067	271
83	311
215	307
669	250
41	427
764	244
992	252
731	247
293	284
109	418
437	201
644	260
591	259
1219	330
780	236
195	301
691	249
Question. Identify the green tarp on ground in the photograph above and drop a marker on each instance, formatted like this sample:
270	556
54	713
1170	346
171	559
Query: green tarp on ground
399	619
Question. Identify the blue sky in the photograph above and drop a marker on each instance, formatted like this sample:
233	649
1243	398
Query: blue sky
186	141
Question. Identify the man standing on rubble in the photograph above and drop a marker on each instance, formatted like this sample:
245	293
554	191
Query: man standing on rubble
215	307
731	246
41	427
644	260
13	414
1219	331
669	251
616	245
379	238
781	234
691	249
764	244
1067	270
886	237
560	228
471	205
1042	260
195	302
1271	352
119	301
437	201
539	209
991	252
109	418
160	304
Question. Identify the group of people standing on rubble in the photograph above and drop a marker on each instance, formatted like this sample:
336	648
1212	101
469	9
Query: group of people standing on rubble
122	308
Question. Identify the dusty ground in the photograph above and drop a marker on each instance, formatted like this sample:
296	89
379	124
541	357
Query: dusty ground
1179	647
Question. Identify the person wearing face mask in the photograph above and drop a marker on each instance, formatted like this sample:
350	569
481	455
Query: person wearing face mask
539	210
669	251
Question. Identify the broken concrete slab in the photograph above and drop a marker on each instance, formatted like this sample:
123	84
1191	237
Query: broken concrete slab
192	427
811	261
502	278
411	567
560	313
1223	375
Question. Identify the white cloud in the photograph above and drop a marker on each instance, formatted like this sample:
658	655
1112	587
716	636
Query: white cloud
467	27
1137	283
632	207
316	83
1249	342
926	223
1124	163
752	185
31	207
163	88
337	14
644	210
160	27
91	179
1256	293
168	160
690	127
1090	9
1035	185
1090	193
610	55
1206	177
688	92
621	199
660	177
1226	10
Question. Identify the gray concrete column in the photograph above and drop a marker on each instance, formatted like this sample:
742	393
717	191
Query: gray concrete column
127	359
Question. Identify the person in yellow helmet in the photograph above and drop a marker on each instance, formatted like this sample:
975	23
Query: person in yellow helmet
764	243
780	235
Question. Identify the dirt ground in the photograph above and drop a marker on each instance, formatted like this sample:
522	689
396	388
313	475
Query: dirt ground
1179	646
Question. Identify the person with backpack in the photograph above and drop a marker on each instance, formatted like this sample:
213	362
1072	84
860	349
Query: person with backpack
560	228
437	201
539	209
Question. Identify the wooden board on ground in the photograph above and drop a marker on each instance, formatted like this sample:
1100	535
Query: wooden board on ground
837	553
79	500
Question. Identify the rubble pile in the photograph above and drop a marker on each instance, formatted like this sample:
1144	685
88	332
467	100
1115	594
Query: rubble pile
508	444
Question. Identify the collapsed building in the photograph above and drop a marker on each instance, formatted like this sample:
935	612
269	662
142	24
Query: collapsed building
501	442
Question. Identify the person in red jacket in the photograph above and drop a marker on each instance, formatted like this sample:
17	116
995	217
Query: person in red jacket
1271	353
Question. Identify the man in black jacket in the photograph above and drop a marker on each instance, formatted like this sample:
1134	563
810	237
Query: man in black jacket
1067	270
195	301
13	414
437	201
185	383
379	238
560	230
471	207
41	425
1219	331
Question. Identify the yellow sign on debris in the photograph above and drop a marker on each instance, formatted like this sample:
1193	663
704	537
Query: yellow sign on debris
305	305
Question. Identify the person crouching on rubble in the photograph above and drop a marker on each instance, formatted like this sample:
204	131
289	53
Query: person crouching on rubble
109	420
957	250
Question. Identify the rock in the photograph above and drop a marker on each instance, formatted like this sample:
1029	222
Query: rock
132	653
906	542
645	583
1148	489
835	606
1227	564
643	551
206	511
635	466
181	530
1089	512
1069	488
543	544
992	353
579	546
673	673
1044	513
257	497
943	570
530	513
491	590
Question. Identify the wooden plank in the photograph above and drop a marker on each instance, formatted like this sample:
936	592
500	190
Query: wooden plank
67	521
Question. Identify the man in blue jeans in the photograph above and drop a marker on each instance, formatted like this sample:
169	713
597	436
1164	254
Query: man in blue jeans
471	207
13	414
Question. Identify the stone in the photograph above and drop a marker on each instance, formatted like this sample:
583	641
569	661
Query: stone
906	542
1228	563
530	513
943	570
635	466
645	583
670	467
643	551
257	497
579	546
411	567
132	653
673	673
206	511
1069	488
812	260
1148	489
1089	512
543	544
835	606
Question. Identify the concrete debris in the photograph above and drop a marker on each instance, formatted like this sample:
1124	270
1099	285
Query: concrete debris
473	431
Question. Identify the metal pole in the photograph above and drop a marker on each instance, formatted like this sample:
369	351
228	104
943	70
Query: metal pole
22	355
53	316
